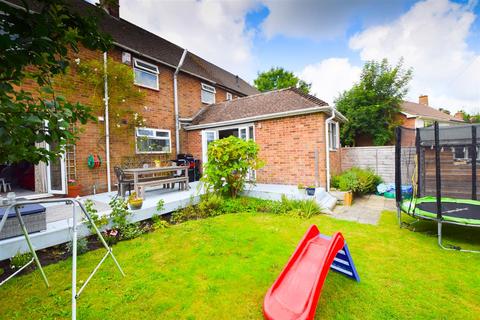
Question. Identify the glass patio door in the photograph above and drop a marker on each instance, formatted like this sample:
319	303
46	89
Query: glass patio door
208	136
56	175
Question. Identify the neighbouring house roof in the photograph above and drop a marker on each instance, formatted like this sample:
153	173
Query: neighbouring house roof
267	105
143	42
413	110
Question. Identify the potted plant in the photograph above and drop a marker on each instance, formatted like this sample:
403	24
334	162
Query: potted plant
301	188
310	190
158	163
73	188
135	202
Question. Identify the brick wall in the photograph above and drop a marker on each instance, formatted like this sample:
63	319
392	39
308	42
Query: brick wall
157	108
287	146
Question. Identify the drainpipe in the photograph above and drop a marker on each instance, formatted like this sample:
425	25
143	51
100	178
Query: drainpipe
175	101
327	149
107	128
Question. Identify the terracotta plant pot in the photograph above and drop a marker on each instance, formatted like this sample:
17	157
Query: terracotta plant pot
74	191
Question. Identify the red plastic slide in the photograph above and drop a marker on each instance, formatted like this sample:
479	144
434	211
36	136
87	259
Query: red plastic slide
295	293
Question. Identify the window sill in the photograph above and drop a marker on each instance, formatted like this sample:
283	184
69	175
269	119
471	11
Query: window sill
145	87
153	152
334	150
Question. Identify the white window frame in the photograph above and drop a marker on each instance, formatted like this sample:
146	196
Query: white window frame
333	144
209	89
145	67
229	96
169	139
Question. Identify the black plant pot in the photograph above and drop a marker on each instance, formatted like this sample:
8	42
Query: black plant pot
310	191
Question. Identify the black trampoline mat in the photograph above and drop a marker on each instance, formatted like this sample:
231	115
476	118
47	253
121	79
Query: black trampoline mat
453	209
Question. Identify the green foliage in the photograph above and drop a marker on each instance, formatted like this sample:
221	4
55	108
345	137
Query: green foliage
229	161
279	78
123	96
20	259
130	231
160	205
159	223
372	104
1	271
359	181
93	213
470	118
212	205
82	246
120	213
39	51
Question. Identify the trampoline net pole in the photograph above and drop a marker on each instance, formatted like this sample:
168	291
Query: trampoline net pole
438	181
398	175
474	162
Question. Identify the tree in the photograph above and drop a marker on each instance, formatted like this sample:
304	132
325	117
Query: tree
34	47
229	161
279	78
372	104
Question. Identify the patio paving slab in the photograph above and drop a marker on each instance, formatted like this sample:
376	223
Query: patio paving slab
366	209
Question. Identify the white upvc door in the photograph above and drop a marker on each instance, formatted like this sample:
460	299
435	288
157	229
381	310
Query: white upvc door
56	175
207	137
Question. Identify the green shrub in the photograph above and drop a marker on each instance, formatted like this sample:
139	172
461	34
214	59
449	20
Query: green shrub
20	259
159	223
93	213
229	161
301	208
335	182
130	231
210	205
359	181
82	246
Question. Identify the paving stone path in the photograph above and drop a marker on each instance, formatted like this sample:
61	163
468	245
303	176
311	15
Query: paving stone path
366	209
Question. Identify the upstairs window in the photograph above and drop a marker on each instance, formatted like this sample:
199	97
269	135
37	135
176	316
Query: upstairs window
145	74
150	140
333	135
229	96
208	94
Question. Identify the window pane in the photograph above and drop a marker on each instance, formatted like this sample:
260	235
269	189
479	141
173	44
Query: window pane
208	97
146	79
145	132
152	145
162	134
250	133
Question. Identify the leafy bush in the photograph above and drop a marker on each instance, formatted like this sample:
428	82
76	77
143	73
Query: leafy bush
359	181
229	161
302	208
159	223
82	246
93	213
213	205
130	231
20	259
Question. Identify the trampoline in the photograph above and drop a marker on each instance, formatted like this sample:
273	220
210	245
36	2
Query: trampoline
440	163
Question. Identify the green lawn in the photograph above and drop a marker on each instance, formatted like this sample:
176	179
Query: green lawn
220	268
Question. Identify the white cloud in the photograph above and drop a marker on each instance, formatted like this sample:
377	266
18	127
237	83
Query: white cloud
330	77
432	38
212	29
325	19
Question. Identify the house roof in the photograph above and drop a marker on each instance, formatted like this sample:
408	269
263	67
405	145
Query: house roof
267	105
412	109
143	42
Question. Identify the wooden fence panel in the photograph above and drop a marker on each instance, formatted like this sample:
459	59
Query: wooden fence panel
379	159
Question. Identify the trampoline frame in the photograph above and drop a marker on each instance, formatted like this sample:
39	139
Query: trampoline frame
438	185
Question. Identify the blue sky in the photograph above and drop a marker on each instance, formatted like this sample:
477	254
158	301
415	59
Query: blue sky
327	42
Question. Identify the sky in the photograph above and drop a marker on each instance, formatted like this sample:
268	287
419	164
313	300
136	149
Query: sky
326	42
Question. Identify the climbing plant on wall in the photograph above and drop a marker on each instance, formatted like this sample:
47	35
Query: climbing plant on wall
124	98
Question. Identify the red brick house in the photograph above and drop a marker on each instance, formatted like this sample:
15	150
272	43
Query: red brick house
188	102
288	125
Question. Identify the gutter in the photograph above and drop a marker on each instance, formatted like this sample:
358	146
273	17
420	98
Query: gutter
107	128
259	118
175	101
327	149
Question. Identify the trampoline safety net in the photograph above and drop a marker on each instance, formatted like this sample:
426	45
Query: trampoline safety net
437	161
